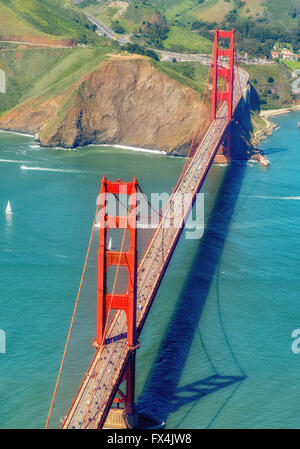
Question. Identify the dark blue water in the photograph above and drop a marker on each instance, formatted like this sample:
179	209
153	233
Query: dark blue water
224	359
216	348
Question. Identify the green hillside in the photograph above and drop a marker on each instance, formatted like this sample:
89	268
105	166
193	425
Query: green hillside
272	83
52	19
259	23
140	19
32	73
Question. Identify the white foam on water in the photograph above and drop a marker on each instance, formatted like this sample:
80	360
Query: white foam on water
291	198
13	161
60	170
15	132
61	148
126	147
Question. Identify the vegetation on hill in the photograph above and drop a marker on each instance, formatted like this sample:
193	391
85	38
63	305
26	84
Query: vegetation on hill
191	74
36	72
273	85
259	23
176	25
54	19
188	26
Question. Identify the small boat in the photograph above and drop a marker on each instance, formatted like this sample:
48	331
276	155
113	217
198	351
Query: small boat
8	208
298	124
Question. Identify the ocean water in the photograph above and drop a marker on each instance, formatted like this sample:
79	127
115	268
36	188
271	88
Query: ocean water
216	349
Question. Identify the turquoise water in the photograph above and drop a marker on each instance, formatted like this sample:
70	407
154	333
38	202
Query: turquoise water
216	348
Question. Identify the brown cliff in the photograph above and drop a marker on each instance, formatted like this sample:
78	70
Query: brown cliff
125	101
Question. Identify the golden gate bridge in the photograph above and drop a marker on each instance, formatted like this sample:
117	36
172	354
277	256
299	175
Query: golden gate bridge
117	334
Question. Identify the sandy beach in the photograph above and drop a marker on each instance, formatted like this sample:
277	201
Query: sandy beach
274	112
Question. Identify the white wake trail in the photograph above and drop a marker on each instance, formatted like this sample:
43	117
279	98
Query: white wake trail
60	170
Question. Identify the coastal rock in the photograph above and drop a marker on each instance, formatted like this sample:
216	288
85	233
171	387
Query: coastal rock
259	157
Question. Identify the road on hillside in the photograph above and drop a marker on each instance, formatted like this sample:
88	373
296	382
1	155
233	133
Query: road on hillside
105	31
182	57
166	55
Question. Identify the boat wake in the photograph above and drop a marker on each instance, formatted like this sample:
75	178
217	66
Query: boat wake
13	161
59	170
291	198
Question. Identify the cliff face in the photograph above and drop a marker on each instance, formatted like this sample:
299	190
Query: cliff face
125	101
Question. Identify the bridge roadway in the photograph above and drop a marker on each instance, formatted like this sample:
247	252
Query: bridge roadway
103	377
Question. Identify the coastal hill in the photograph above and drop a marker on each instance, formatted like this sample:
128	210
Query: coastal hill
124	101
90	92
128	101
73	87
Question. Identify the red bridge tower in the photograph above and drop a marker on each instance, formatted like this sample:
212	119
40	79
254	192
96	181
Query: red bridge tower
223	71
112	301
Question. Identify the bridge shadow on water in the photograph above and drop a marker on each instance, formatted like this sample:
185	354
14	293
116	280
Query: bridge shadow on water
161	395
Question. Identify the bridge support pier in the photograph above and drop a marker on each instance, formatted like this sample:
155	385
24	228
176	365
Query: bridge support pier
131	417
125	417
223	155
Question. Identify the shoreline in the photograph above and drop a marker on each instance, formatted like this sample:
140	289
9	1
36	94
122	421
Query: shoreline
256	140
275	112
16	132
121	147
127	147
268	130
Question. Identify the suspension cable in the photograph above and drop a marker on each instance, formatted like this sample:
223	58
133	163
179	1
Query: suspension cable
100	350
73	318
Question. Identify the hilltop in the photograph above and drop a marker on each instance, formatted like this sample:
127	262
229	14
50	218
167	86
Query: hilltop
48	20
188	25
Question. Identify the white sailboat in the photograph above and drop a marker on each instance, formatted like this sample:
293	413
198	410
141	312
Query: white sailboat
8	208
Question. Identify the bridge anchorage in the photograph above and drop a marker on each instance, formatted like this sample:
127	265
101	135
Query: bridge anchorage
101	400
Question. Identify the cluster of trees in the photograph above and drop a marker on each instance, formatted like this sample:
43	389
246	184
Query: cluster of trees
256	37
154	34
295	10
140	50
86	3
259	37
118	28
